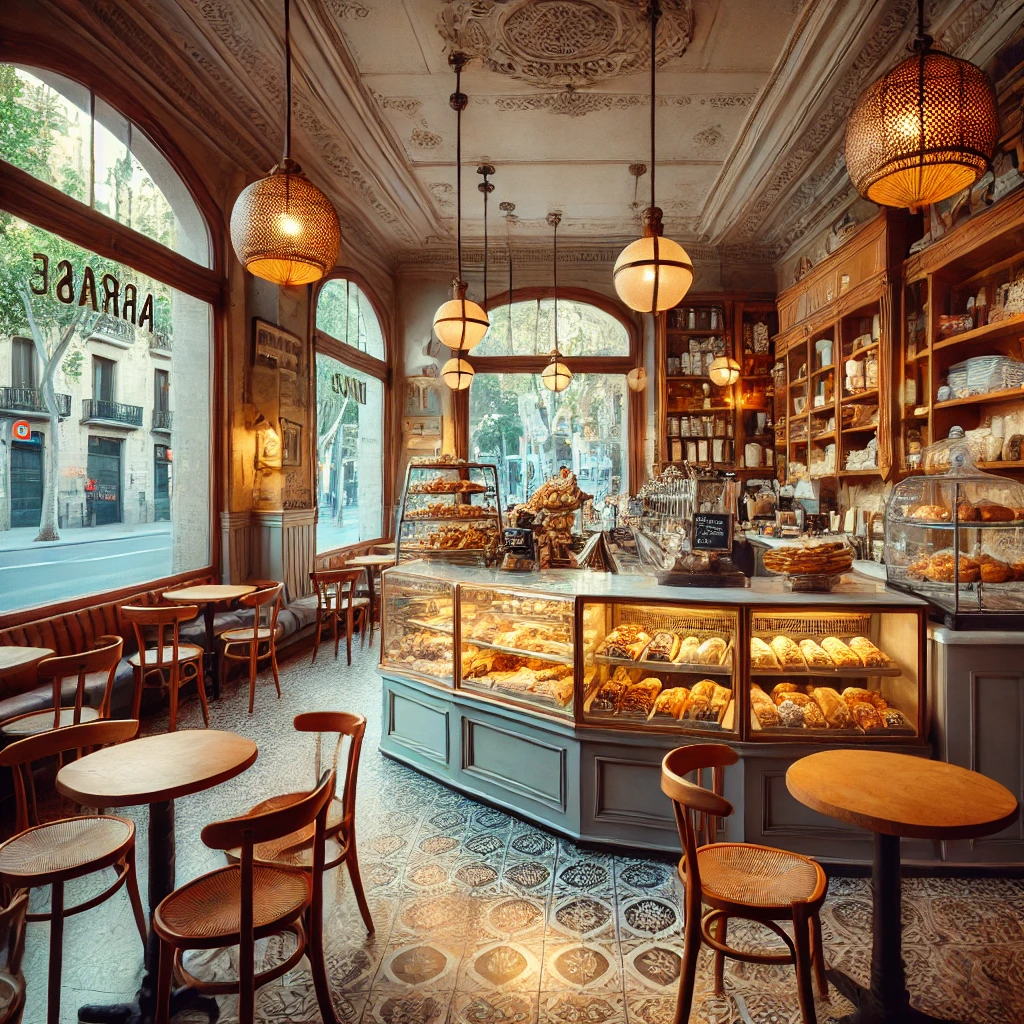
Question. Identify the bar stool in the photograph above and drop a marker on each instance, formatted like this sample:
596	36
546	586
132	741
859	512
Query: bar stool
739	880
59	851
335	599
257	642
170	663
101	660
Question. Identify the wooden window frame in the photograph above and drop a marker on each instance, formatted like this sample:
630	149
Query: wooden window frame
636	405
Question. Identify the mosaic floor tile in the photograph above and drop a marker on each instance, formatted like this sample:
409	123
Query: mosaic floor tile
597	1007
494	1008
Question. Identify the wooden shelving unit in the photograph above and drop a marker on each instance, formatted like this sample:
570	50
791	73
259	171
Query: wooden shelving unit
732	416
974	260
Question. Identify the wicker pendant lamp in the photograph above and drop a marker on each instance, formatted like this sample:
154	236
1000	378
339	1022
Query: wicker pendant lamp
653	273
556	375
924	131
459	323
283	228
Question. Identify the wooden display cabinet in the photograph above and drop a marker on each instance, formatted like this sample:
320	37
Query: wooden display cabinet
973	265
698	421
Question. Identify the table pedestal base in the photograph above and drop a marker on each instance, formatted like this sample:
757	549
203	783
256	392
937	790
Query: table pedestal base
161	884
887	1001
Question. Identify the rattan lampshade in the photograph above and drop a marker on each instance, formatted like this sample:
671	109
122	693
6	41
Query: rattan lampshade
284	229
460	323
457	373
923	132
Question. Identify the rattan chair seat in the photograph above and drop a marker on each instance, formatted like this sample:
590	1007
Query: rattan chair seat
209	908
757	876
42	721
244	634
186	652
61	847
289	849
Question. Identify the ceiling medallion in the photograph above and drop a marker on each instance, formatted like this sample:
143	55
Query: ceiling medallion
564	42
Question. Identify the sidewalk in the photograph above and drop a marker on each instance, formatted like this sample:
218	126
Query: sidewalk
24	537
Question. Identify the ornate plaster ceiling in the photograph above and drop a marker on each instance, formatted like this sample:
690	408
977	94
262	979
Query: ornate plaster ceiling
753	97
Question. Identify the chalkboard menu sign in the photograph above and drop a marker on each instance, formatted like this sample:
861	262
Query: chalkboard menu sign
711	531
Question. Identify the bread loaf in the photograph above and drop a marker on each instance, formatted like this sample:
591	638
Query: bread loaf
791	716
761	655
625	641
640	697
609	695
671	703
814	655
832	706
991	512
780	691
841	655
763	708
710	652
788	653
858	695
867	717
703	690
870	656
1012	448
664	646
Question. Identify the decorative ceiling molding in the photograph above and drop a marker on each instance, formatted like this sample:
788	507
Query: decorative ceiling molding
572	102
525	254
564	42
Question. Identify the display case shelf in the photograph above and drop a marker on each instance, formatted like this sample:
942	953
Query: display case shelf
664	666
988	332
841	672
523	652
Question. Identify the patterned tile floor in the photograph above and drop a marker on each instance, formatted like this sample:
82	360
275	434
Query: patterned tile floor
483	919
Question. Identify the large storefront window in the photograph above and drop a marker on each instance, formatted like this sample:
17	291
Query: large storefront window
63	134
350	374
104	422
530	433
583	330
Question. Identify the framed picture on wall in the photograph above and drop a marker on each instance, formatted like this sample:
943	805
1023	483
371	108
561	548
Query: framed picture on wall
423	396
291	443
276	347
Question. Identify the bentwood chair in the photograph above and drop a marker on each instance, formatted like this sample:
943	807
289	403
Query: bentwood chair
738	880
12	946
257	642
296	850
102	660
57	852
170	664
336	602
244	902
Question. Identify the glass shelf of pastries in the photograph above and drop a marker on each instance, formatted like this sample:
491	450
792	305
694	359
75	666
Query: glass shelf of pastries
417	626
518	646
831	676
955	537
450	512
660	666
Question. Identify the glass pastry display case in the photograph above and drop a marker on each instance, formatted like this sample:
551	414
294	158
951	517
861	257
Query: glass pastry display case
834	676
417	626
450	511
660	666
956	538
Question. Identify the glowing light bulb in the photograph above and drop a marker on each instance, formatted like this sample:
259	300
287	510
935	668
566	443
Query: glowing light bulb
289	225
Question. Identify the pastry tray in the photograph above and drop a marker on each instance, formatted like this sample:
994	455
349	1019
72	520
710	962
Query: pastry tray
420	624
843	672
524	696
558	659
483	517
664	666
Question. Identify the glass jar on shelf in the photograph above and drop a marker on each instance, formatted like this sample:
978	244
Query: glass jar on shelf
834	675
659	666
417	626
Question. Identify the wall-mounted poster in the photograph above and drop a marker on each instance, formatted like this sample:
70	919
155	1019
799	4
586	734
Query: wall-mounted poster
423	396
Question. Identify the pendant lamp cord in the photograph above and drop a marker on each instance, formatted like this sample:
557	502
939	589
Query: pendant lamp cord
458	161
287	81
554	275
507	208
654	35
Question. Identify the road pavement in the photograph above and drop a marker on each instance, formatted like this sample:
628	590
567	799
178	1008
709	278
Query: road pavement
82	562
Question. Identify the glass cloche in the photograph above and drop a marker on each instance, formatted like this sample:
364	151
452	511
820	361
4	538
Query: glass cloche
955	536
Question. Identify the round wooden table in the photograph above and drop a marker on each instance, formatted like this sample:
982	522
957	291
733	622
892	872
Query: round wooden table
895	795
154	770
208	596
371	563
13	657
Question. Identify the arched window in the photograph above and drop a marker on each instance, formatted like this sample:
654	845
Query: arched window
351	371
65	135
530	432
106	368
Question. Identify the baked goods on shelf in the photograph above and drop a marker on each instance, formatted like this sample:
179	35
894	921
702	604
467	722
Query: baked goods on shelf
992	512
870	656
458	538
994	570
814	654
763	708
710	652
833	707
941	568
788	653
930	513
639	699
781	690
866	717
671	703
708	702
609	693
664	646
858	695
816	559
442	510
625	641
443	485
422	651
761	655
842	656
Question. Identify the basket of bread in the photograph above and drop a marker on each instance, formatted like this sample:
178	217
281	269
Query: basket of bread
815	568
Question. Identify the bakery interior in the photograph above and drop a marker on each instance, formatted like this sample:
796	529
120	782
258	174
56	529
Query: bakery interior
625	390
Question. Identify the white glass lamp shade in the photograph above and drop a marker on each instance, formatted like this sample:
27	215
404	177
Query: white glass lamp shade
457	373
556	375
636	379
284	229
724	371
653	274
461	324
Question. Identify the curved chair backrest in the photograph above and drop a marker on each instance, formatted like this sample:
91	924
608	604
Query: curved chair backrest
12	946
19	756
167	618
104	657
333	584
344	723
269	599
697	810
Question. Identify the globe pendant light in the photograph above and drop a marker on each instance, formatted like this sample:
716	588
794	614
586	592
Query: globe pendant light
556	375
459	323
653	273
636	379
283	228
457	373
724	371
924	131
